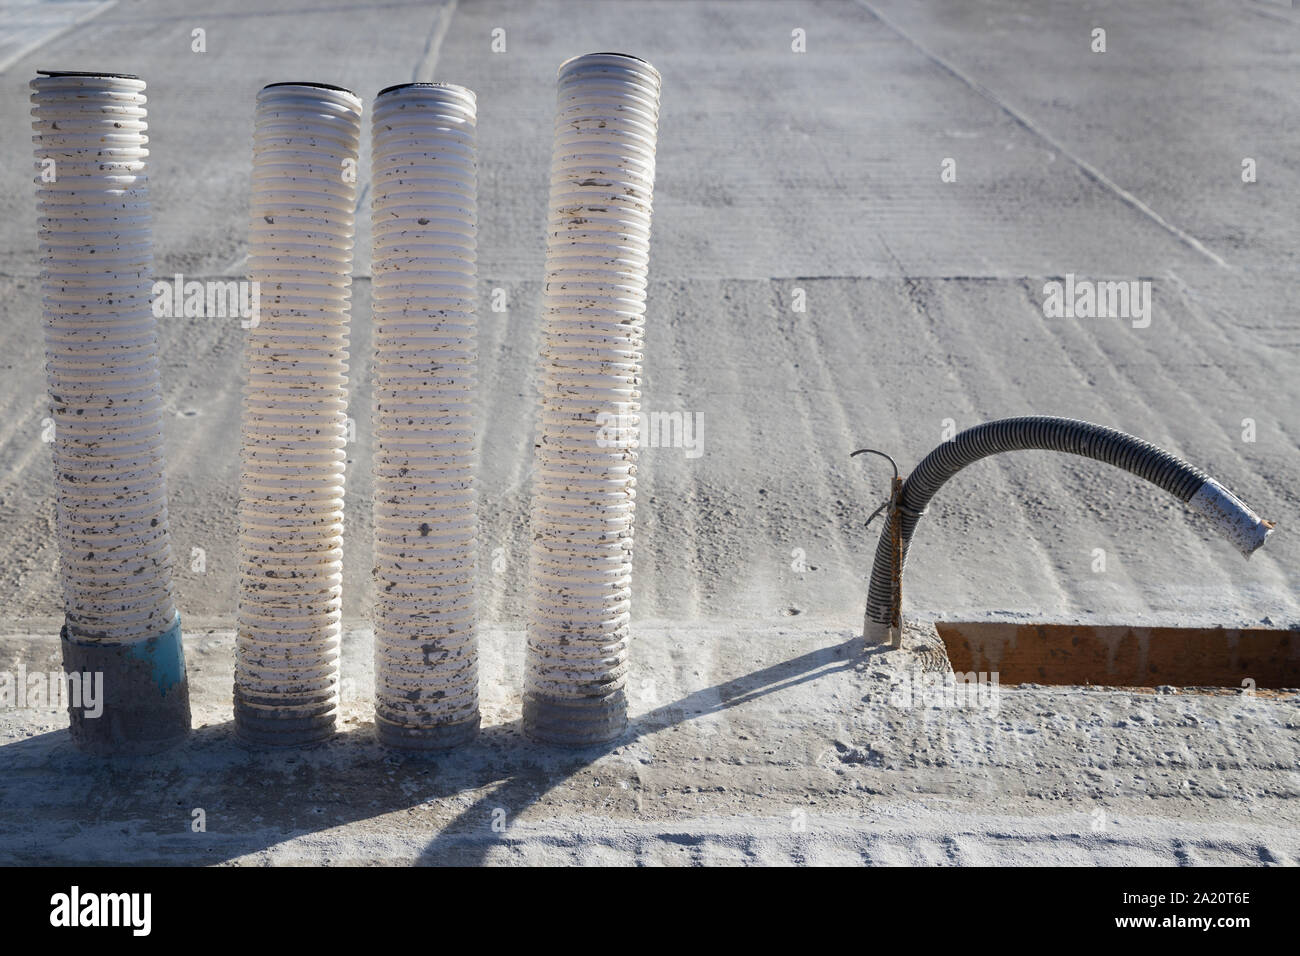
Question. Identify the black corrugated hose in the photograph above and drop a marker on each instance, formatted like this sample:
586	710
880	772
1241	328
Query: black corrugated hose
1193	487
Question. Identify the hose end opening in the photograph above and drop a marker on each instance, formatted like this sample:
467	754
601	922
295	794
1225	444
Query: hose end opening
1231	517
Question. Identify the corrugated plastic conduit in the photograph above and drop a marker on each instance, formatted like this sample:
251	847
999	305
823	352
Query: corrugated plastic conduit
1227	513
425	294
102	368
305	143
597	255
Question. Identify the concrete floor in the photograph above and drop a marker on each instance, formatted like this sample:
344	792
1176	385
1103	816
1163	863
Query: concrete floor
778	171
749	744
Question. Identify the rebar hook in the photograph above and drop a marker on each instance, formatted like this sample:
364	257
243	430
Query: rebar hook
893	485
894	505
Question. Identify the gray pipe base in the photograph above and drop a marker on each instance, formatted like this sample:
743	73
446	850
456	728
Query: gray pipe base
264	726
425	739
145	694
575	721
874	633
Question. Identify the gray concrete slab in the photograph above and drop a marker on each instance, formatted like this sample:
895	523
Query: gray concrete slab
780	174
761	744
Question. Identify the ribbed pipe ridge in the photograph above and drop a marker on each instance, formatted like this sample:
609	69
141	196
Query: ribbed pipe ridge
598	244
102	356
294	417
425	293
1188	484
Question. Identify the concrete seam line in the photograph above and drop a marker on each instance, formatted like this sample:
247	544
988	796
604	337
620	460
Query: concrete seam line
306	140
101	347
424	216
1230	516
598	246
1088	169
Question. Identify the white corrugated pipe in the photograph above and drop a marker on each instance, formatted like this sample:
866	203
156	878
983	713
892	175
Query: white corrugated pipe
102	368
305	143
598	245
425	293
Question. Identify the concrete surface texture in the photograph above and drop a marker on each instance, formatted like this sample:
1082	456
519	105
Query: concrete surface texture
816	285
747	744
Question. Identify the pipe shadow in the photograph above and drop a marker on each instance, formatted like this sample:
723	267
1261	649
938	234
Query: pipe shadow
211	799
58	805
467	840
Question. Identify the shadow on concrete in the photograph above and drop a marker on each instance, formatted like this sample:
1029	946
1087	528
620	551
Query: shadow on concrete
58	805
468	839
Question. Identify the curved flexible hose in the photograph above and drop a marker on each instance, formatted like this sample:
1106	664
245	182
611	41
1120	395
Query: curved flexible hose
1230	516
